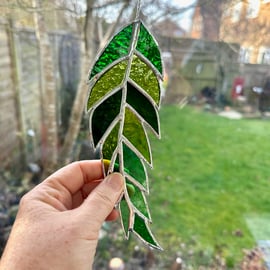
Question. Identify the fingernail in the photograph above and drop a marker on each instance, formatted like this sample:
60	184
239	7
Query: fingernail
115	181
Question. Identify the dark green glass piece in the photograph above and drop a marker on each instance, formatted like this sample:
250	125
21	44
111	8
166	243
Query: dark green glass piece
148	47
117	48
141	229
109	81
134	166
116	167
134	132
104	114
138	201
144	76
110	143
142	106
125	214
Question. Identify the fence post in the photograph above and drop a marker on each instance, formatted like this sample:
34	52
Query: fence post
16	88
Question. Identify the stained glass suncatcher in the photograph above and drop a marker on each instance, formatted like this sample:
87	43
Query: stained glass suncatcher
123	101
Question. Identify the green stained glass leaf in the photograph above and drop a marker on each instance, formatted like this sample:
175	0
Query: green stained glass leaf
123	99
147	46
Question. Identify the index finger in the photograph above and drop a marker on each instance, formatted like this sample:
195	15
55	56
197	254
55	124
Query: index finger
75	175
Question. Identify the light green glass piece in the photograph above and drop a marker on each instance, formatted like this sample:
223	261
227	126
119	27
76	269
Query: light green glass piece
110	80
134	132
147	46
111	143
144	76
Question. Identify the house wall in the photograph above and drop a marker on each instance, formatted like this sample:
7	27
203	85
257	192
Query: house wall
247	23
244	22
196	64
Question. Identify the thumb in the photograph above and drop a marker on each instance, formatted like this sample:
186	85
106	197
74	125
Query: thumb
101	201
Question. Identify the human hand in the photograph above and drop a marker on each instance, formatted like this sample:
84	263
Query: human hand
58	222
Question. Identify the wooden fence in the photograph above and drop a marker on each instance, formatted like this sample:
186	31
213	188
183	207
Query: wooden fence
20	96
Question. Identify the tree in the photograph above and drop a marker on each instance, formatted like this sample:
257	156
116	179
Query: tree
87	53
47	91
211	12
240	23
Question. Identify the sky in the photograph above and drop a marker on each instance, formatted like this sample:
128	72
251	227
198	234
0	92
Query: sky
185	18
182	3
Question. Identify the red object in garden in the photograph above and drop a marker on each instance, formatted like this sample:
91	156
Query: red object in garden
238	87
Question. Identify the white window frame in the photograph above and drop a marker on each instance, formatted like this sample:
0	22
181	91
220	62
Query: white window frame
253	8
236	12
245	54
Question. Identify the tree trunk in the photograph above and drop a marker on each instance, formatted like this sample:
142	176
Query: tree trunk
48	93
76	113
16	87
87	55
211	12
87	48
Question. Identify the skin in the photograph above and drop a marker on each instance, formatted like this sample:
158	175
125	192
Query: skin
58	222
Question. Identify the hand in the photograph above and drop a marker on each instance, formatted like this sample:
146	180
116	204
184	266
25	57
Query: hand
58	222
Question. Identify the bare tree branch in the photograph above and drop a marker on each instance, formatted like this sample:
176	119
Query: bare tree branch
113	26
22	5
87	53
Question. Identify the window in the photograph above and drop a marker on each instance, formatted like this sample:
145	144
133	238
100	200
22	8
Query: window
266	57
236	12
245	55
253	9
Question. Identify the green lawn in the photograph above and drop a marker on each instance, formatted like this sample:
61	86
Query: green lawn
211	180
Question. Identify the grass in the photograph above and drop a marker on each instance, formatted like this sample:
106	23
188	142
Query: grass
210	174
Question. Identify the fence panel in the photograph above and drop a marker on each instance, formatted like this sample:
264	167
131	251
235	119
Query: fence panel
20	89
8	112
